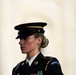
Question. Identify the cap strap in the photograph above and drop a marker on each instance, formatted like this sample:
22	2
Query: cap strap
34	27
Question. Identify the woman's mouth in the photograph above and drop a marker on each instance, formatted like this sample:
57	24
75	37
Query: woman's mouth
22	48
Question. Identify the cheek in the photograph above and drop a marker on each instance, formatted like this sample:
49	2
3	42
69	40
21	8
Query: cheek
31	43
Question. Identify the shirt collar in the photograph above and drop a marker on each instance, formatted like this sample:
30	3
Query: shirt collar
32	59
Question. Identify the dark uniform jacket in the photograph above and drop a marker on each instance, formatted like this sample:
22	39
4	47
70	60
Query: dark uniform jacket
40	66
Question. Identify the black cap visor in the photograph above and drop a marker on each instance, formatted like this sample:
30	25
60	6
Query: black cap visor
28	32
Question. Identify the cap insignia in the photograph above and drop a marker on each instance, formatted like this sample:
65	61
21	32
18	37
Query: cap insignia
36	62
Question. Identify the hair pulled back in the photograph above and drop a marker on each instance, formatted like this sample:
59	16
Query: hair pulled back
45	41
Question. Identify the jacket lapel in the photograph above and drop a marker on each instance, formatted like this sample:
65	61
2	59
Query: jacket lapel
35	64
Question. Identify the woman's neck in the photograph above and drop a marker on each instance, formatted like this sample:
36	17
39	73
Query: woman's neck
32	54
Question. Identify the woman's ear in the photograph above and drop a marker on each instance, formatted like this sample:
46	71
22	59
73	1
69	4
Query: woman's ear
39	40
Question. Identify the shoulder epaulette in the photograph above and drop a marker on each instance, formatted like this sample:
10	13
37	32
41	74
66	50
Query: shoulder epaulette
46	57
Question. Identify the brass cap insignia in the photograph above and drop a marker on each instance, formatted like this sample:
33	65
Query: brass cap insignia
36	62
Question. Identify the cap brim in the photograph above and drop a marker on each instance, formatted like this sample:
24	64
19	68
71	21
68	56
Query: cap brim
24	35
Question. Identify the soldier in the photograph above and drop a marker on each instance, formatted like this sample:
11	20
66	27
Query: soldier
32	39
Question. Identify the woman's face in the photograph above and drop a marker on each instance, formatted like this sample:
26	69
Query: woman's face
29	44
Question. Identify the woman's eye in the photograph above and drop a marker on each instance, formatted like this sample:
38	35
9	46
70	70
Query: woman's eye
23	38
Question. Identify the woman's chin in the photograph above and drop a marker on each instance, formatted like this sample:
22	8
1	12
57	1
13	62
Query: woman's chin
23	51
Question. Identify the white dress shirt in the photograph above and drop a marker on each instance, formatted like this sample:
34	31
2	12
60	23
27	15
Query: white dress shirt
32	59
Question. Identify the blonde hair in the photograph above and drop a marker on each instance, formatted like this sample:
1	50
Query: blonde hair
45	41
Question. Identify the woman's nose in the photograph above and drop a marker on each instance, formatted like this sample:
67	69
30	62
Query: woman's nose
21	41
